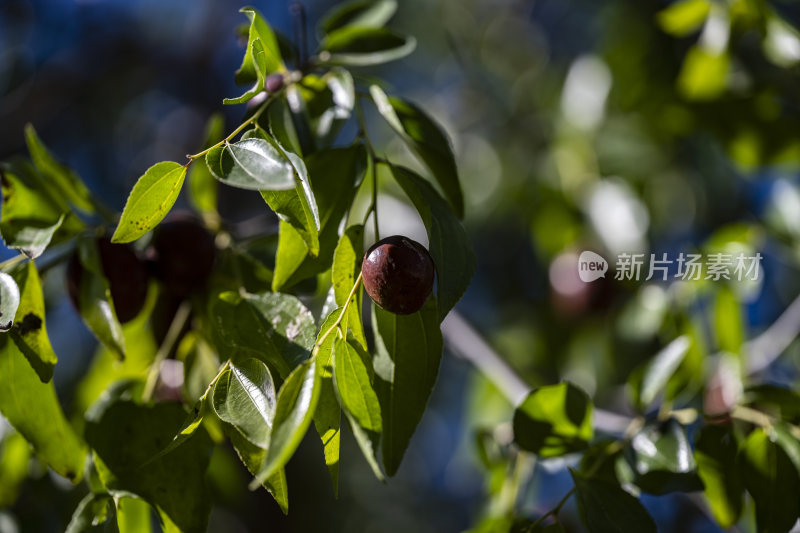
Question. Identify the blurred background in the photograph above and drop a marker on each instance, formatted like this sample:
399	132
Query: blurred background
613	126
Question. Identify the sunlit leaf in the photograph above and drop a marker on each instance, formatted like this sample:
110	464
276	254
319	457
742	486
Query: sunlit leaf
704	75
359	13
328	416
259	56
346	267
715	453
554	420
254	163
259	29
150	200
662	459
244	397
409	349
365	46
30	332
684	16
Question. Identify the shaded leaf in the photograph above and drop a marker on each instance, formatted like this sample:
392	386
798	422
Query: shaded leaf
409	349
93	510
715	454
554	420
426	139
662	459
150	200
297	401
449	245
244	397
359	13
365	46
604	507
125	436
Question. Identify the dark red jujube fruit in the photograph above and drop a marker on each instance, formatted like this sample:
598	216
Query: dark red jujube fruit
398	274
126	274
182	254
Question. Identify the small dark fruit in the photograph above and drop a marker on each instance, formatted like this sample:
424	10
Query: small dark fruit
182	255
126	274
398	274
274	83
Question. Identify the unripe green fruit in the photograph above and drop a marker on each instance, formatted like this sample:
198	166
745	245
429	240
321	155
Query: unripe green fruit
398	274
126	274
182	254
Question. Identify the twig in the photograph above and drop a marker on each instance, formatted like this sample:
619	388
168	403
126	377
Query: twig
174	331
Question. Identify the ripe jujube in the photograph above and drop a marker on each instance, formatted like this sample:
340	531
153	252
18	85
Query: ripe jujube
398	274
126	275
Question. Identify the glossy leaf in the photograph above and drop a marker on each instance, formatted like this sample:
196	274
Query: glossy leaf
335	175
94	299
255	164
604	507
346	267
328	416
449	244
9	301
31	216
358	399
359	13
259	56
409	349
124	436
427	139
244	397
202	185
662	459
30	331
772	480
715	454
292	324
365	46
259	29
554	420
297	401
33	409
150	200
65	180
660	369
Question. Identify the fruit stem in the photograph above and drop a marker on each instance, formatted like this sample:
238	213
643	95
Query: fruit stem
345	307
181	316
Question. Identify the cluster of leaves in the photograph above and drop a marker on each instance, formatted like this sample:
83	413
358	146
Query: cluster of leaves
259	367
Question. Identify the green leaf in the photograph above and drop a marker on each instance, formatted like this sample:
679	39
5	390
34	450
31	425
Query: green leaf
272	62
133	515
14	456
425	138
260	64
604	507
297	401
683	17
359	14
715	454
254	164
365	46
65	180
554	420
150	200
125	436
31	217
244	397
276	327
409	349
358	399
93	510
346	267
298	207
9	301
660	369
94	299
30	331
202	185
449	245
728	321
662	459
772	480
253	457
704	75
32	408
335	175
282	127
328	416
